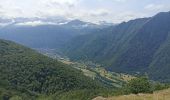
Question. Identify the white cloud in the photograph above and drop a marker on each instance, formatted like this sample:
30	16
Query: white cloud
154	7
63	1
99	13
35	23
116	0
121	0
87	10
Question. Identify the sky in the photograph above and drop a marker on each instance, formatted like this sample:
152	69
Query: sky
114	11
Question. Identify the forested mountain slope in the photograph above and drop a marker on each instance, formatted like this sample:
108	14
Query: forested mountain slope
139	45
100	44
22	69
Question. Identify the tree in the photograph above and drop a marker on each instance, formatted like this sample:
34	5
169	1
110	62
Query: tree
140	85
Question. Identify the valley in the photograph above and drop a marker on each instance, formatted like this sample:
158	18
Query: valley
90	69
84	50
139	46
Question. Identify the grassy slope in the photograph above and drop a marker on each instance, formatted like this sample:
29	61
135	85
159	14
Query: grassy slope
158	95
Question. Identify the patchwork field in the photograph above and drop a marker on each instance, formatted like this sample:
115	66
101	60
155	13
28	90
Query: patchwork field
92	70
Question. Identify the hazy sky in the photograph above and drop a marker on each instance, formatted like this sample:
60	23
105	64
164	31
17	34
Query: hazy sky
88	10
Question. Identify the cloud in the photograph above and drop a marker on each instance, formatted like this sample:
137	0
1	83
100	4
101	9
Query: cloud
86	10
99	13
126	16
4	22
63	1
121	0
35	23
60	3
116	0
153	7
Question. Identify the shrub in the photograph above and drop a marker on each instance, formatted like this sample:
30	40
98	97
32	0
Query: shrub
160	86
139	85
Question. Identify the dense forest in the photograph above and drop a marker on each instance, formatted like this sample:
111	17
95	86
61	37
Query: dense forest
28	73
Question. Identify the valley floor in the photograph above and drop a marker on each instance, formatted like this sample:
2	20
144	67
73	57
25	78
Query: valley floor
158	95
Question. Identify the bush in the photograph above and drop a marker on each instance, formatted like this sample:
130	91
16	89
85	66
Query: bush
139	85
160	86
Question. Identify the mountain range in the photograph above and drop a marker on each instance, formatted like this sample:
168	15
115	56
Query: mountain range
139	46
43	33
136	47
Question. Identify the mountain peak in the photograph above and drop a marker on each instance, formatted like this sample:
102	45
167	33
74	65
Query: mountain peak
76	22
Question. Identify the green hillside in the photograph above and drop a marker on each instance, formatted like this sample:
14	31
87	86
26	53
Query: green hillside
25	72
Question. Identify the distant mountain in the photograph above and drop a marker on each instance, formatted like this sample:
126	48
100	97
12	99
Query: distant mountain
20	20
106	23
44	36
81	24
45	33
137	46
26	71
76	22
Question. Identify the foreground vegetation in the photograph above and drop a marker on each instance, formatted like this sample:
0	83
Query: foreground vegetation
140	88
157	95
27	75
